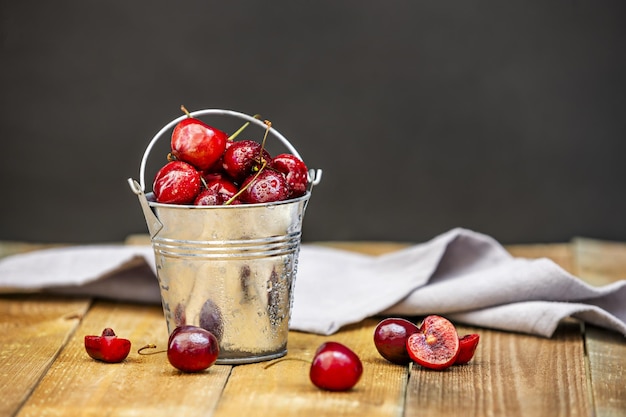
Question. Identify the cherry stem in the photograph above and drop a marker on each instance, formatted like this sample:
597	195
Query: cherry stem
233	198
267	131
284	359
149	346
263	165
242	128
184	109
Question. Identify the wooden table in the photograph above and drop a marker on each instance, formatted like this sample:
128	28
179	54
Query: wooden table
44	370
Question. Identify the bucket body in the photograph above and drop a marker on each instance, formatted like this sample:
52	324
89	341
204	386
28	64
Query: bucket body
231	270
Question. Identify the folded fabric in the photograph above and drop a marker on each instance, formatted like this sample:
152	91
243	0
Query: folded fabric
125	273
466	276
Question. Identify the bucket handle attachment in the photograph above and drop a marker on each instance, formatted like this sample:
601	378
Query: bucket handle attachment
153	222
315	175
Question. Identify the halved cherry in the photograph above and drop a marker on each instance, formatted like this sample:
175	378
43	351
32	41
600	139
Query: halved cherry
467	347
107	347
436	345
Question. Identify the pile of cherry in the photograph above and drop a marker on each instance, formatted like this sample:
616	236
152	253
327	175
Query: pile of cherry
208	167
434	344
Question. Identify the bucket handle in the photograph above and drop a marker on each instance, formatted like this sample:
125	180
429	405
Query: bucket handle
315	175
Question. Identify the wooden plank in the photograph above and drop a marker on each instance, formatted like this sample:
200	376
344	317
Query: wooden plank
143	385
607	364
33	330
367	248
510	375
284	388
601	263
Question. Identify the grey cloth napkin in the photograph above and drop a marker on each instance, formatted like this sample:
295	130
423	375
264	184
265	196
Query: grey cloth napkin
466	276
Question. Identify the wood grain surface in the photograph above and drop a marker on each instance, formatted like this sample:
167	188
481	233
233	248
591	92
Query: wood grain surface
45	371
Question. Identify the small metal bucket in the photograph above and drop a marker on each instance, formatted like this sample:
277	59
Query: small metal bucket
229	269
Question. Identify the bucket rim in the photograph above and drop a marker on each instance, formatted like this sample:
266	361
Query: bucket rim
154	204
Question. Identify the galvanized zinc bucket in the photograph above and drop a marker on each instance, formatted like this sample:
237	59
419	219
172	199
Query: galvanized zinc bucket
229	269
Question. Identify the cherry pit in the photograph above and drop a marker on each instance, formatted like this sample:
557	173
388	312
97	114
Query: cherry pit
207	167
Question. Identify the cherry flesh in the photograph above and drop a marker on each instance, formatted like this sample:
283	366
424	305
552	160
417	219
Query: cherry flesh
390	338
435	345
295	171
467	348
107	347
197	143
192	348
176	183
335	367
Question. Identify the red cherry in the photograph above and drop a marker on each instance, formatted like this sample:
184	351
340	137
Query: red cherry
295	172
242	158
217	192
107	347
390	338
218	166
197	143
436	345
266	187
467	347
335	367
192	348
176	183
208	198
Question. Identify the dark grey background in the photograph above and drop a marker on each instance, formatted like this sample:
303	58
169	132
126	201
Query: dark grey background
506	117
